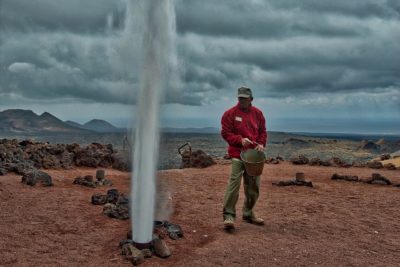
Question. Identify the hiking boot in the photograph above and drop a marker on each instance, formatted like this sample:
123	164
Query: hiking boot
229	223
254	220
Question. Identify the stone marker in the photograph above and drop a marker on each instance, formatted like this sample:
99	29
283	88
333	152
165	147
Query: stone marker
100	175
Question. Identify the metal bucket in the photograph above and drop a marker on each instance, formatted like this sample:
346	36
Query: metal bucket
254	161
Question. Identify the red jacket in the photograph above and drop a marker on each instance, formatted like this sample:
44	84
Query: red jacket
237	124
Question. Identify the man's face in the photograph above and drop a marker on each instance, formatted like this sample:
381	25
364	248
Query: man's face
244	102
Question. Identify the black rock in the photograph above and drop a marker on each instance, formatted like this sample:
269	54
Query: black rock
99	199
174	230
3	171
112	196
33	177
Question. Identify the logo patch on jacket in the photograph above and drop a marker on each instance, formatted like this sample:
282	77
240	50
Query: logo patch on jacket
238	118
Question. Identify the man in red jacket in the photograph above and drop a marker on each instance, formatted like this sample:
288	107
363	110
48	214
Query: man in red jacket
243	127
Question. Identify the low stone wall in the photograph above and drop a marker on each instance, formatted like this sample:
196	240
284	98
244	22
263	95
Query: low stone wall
22	157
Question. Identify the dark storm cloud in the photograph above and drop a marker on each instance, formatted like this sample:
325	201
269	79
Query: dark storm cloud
296	65
62	66
54	49
362	9
48	15
273	19
285	48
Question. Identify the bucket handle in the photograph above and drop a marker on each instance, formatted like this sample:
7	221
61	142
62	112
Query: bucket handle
252	142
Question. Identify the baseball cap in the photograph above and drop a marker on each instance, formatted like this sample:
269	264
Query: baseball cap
244	92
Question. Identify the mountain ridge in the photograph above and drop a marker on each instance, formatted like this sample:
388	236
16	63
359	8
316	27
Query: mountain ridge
27	122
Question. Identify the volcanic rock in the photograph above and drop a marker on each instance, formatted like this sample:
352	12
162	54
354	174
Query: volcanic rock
196	159
99	199
379	179
271	160
375	164
299	160
160	248
132	253
104	182
73	148
121	161
315	162
112	196
345	177
389	166
3	171
116	211
67	159
126	241
384	156
147	253
21	168
26	142
174	230
293	182
95	155
90	182
359	164
339	162
85	181
298	181
53	156
51	162
35	176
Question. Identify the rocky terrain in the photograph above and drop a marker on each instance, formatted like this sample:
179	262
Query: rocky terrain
24	156
342	209
335	222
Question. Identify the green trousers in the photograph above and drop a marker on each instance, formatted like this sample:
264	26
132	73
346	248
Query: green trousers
251	186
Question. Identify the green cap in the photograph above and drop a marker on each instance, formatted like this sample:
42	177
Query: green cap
244	92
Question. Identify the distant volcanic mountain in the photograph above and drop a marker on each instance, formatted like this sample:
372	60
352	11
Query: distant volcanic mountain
100	126
74	124
96	125
27	122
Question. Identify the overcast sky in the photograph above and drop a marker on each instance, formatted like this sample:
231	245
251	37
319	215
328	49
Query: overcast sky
316	66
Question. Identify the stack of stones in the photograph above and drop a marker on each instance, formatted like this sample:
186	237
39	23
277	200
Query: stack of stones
88	180
116	205
136	253
299	181
375	179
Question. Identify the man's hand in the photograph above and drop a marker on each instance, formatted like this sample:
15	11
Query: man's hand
246	141
260	147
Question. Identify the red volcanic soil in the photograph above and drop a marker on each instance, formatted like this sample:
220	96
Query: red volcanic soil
336	223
